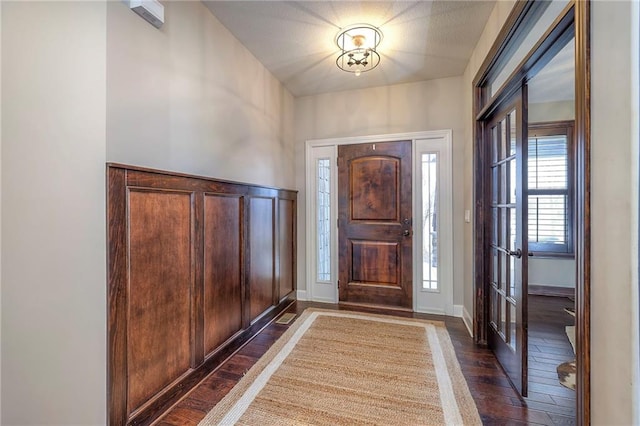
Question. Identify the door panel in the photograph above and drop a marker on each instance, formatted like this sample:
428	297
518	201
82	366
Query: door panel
375	188
507	331
374	211
375	262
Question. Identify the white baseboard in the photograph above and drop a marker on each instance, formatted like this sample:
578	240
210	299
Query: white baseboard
322	300
457	311
468	322
430	311
301	295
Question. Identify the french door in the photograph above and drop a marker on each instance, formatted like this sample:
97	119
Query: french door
506	136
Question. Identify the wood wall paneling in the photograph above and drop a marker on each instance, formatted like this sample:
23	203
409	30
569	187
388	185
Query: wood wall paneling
222	268
286	241
160	287
117	269
191	261
261	253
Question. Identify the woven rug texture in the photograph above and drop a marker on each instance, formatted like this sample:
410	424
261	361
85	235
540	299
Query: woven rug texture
346	368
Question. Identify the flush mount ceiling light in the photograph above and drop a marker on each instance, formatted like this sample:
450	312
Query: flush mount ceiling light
358	44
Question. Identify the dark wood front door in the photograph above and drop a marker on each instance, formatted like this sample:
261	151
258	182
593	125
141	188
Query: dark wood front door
507	330
374	224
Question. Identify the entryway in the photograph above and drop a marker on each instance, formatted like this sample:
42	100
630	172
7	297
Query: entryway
379	221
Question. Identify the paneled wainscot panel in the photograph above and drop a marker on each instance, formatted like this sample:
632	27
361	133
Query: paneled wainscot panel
192	262
286	239
159	291
261	272
222	268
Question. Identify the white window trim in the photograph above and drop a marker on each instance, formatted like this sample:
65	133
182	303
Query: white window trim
441	144
310	245
327	291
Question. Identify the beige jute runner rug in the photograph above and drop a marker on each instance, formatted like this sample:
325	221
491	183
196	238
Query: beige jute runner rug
346	368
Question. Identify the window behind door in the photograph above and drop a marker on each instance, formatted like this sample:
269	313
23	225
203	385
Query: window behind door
550	188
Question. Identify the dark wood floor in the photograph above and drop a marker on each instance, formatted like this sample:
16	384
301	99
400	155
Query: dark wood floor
498	403
548	348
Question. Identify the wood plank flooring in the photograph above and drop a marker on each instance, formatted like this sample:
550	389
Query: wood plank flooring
548	348
498	403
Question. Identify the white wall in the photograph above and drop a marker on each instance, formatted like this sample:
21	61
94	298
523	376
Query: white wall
635	205
552	272
613	160
412	107
190	97
53	213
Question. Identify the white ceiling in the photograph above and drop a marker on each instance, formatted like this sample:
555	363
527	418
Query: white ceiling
423	40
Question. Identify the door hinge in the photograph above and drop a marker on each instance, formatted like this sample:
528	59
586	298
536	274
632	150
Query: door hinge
337	162
337	223
338	284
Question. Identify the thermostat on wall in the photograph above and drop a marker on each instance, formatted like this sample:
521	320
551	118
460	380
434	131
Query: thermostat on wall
151	10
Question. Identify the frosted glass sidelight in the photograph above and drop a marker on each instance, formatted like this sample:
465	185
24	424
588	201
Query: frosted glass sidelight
430	221
323	214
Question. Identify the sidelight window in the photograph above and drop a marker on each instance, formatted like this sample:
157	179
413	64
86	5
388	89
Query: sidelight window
430	221
323	185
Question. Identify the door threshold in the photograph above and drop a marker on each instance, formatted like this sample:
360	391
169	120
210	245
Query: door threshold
374	306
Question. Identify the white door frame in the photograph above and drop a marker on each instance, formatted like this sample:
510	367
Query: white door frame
330	294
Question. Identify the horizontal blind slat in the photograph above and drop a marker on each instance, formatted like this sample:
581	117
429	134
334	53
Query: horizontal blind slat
548	170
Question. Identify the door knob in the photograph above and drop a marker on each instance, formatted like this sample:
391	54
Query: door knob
406	232
517	254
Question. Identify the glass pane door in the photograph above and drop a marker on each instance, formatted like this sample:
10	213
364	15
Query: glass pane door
507	324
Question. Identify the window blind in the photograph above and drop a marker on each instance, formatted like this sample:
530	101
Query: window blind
548	162
548	195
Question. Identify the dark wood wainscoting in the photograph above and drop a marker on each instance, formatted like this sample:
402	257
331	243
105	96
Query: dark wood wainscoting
196	267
